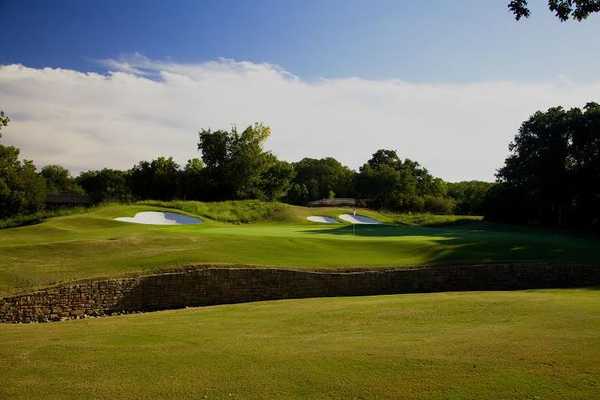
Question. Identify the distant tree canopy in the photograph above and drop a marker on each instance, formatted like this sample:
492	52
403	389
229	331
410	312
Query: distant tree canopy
105	185
399	185
156	179
319	179
563	9
234	165
552	175
237	167
469	196
58	180
22	190
191	181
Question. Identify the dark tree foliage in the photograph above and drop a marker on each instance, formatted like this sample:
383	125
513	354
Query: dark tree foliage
552	175
192	180
318	179
105	185
59	180
22	190
234	165
276	179
401	185
563	9
237	167
383	158
156	179
469	196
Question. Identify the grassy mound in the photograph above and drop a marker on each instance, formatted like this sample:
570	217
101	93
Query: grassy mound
235	212
92	244
494	345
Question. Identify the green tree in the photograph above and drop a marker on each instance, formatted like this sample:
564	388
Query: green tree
563	9
235	162
316	178
469	196
539	165
157	179
192	180
385	157
58	179
401	185
276	180
585	156
552	175
248	161
22	190
105	185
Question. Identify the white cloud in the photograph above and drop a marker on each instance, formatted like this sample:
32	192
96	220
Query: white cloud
147	108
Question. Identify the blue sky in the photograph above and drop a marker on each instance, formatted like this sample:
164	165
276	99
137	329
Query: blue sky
426	41
443	82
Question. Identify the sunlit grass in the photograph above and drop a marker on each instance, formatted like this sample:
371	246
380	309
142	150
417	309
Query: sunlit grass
92	244
492	345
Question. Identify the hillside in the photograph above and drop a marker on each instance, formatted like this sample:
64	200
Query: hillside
91	244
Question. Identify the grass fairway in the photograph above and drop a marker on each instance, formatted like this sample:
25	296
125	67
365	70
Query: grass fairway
92	244
492	345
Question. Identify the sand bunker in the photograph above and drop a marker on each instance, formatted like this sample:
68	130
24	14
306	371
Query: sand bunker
160	218
359	219
321	219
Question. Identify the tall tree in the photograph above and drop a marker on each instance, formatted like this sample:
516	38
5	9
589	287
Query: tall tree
22	190
552	175
192	180
385	157
402	185
105	185
563	9
276	179
156	179
318	178
469	196
539	164
235	162
58	179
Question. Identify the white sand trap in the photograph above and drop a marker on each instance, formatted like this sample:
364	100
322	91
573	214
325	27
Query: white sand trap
321	219
160	218
359	219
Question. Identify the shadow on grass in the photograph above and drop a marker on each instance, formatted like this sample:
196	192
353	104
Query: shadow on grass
480	242
388	230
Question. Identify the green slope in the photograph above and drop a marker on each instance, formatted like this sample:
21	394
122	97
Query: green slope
92	244
493	345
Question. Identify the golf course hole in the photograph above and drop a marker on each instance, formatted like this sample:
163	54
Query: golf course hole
160	218
359	219
320	219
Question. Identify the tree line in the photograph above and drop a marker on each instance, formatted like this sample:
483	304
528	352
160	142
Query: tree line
551	176
234	165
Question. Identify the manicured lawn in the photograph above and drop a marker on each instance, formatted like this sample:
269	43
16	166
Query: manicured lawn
492	345
94	245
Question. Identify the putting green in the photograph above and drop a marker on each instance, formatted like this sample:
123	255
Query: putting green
92	244
492	345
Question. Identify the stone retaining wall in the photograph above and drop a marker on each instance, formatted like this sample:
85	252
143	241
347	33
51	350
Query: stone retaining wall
212	285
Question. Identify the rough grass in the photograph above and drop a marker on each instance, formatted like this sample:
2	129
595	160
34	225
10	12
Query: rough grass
493	345
38	217
236	212
92	244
